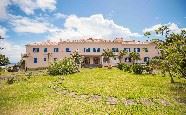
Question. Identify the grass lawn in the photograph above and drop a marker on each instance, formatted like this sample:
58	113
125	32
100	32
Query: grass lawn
93	91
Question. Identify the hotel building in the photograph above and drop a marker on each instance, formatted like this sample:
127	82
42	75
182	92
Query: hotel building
40	55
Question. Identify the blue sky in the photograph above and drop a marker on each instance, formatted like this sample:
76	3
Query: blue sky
22	22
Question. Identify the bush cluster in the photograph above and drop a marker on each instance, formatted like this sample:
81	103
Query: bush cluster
63	67
135	68
148	69
123	66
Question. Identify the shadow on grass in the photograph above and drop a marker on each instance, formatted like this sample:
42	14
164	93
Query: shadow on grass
179	91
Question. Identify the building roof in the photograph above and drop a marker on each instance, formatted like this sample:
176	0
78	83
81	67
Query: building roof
89	40
45	43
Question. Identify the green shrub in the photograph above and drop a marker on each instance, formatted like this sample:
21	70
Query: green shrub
63	67
137	68
28	75
13	69
123	66
11	80
148	69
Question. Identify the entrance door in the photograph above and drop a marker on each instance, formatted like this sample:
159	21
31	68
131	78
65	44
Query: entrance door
87	60
96	60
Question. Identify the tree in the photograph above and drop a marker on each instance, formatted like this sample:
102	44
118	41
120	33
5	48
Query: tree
173	52
107	54
49	55
134	56
1	38
147	34
163	30
4	60
21	64
122	53
77	57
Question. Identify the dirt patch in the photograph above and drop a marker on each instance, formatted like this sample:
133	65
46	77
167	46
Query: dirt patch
72	94
95	98
83	97
164	102
63	92
112	101
146	102
129	102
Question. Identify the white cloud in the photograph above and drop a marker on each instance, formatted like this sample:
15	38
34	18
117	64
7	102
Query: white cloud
60	15
3	8
3	31
27	25
12	51
27	6
46	4
93	26
172	26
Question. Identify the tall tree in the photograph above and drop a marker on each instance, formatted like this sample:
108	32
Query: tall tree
107	54
49	56
147	34
122	53
134	56
173	52
1	38
4	60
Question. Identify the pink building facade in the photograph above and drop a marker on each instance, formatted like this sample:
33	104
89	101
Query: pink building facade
40	55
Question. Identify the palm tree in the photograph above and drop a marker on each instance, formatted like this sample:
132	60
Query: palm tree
48	56
122	53
134	56
107	54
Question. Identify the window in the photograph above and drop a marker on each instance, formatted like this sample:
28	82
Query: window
136	49
94	49
86	49
127	49
146	59
45	49
55	59
145	49
35	60
127	59
44	59
115	50
98	50
56	49
35	49
68	50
